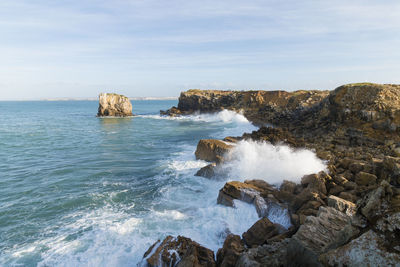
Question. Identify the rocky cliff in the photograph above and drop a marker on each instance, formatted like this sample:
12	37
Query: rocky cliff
347	216
258	106
114	105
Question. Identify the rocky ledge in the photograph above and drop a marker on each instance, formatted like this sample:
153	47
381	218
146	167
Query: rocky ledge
346	216
114	105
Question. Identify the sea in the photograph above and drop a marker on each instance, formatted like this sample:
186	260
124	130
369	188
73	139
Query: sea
78	190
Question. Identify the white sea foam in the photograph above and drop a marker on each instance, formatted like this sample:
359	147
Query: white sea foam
186	205
261	160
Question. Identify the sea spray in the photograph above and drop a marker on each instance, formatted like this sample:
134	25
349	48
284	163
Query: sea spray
271	163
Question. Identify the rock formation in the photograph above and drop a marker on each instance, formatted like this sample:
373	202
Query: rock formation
346	216
114	105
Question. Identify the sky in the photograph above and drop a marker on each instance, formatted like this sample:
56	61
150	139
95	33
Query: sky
79	48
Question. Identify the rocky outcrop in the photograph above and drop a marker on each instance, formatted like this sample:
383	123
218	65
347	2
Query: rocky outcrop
180	252
345	216
212	150
228	255
261	231
258	193
114	105
328	230
273	255
258	106
366	250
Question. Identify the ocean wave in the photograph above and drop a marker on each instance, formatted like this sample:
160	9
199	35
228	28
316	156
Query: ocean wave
271	163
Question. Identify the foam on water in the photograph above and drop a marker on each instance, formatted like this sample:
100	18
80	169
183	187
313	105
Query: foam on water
118	234
261	160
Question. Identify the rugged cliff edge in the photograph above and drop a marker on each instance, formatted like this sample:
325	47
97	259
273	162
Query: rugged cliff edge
114	105
347	216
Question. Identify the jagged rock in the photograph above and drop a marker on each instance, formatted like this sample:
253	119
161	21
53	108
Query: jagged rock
329	230
288	186
207	171
228	255
114	105
273	254
265	202
366	250
241	191
342	205
316	182
261	231
376	202
180	252
364	178
212	150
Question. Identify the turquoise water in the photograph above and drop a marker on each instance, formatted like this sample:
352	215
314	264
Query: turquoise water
77	190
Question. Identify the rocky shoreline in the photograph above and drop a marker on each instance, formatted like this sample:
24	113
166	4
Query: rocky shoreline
346	216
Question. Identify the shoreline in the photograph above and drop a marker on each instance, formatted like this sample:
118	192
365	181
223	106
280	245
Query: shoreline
348	127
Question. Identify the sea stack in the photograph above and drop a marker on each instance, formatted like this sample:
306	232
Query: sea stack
114	105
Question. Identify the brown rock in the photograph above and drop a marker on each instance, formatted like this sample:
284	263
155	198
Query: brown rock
342	205
212	150
272	254
241	191
366	250
330	229
363	178
288	186
114	105
261	231
228	255
180	251
207	171
349	196
316	182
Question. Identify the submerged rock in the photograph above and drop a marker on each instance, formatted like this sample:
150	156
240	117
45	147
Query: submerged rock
114	105
180	252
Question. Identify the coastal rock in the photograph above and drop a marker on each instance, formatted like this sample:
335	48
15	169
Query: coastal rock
273	254
328	230
366	250
228	255
114	105
212	150
374	204
238	190
180	252
207	171
261	231
263	199
364	178
342	205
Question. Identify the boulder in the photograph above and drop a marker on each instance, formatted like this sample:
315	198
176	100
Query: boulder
316	182
366	250
207	171
261	231
342	205
180	252
228	255
212	150
328	230
114	105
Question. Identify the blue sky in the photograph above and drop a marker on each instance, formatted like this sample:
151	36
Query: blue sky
74	48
